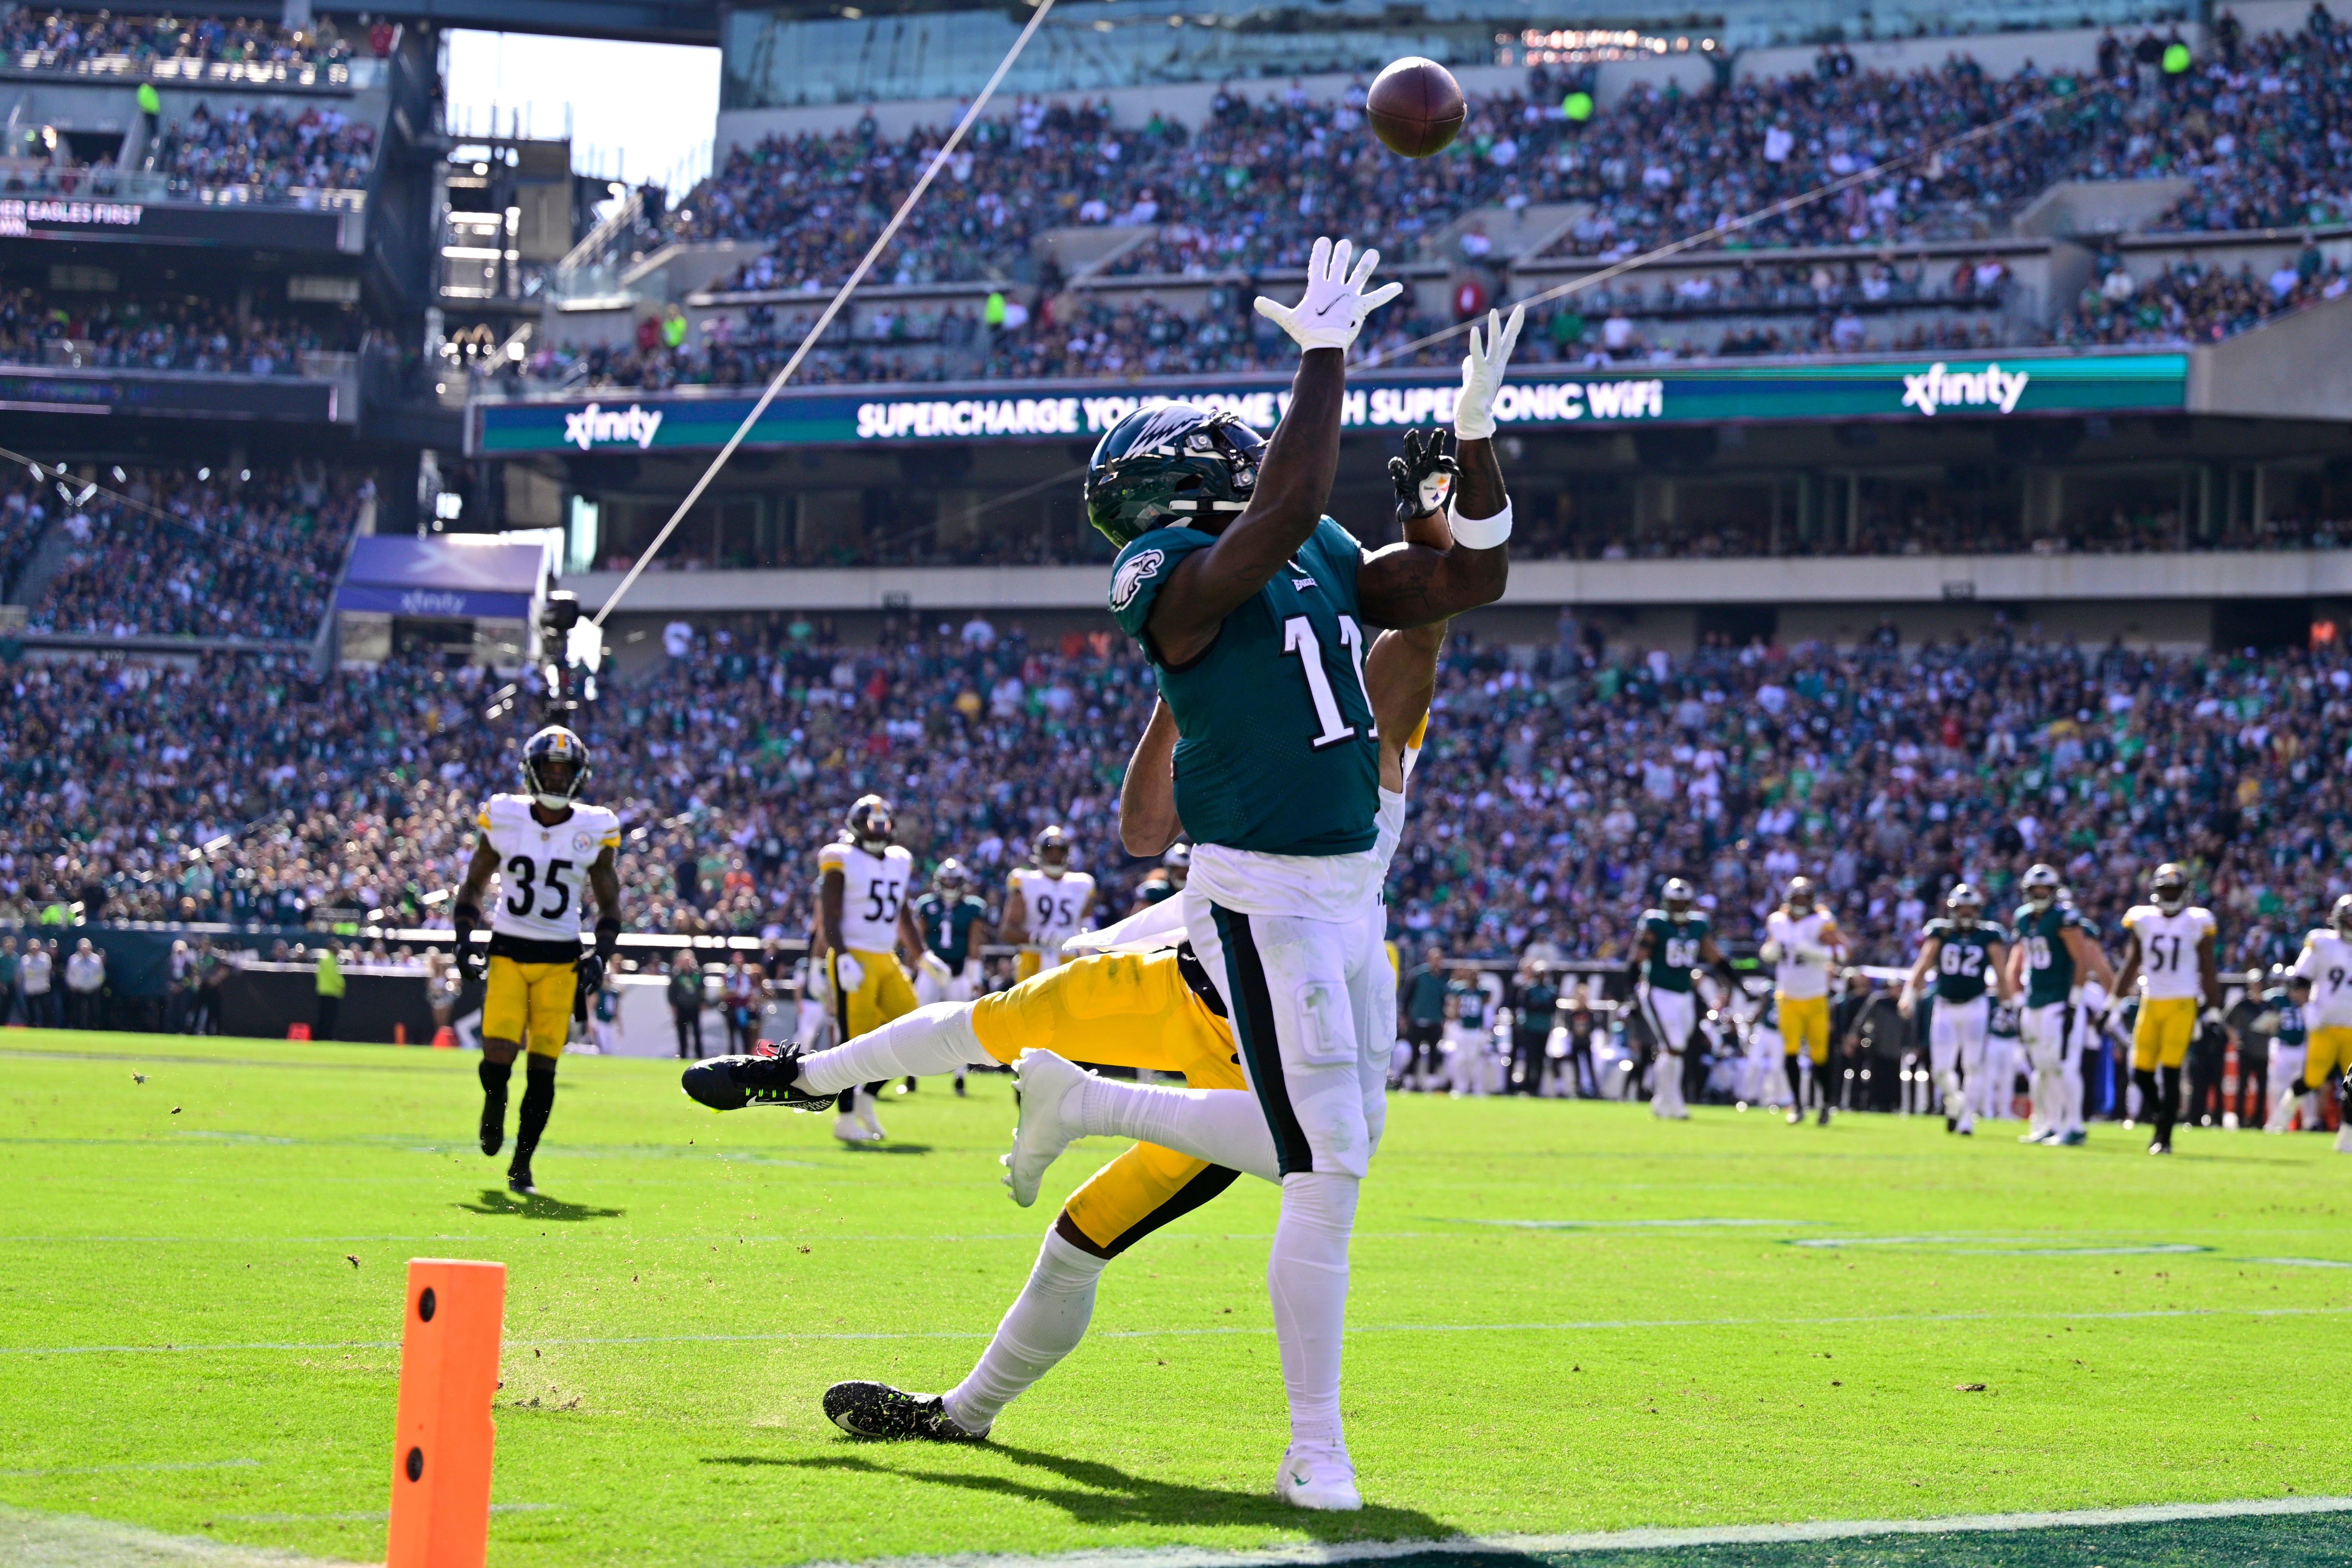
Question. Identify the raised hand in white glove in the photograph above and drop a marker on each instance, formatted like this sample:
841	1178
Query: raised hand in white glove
1336	304
848	972
1481	374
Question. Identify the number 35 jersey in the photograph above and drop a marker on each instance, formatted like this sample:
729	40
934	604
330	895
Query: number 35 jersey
1275	752
542	875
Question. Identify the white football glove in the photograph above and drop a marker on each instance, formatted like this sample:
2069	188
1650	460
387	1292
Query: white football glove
1481	374
1336	304
1770	951
848	972
936	967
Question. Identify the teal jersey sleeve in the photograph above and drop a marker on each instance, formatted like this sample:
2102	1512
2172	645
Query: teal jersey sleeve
1141	570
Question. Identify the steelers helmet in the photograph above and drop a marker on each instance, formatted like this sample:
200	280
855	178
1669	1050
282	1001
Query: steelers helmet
1177	464
2169	888
1799	897
1678	896
1963	904
952	880
2041	885
1051	848
554	767
869	824
2340	917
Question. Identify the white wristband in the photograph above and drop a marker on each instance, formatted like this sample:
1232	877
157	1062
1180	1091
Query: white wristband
1481	532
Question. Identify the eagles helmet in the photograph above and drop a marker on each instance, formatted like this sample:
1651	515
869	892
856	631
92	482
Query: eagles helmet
1963	904
554	767
2169	888
1799	896
952	880
1052	846
1178	463
2041	885
1678	896
869	824
1178	862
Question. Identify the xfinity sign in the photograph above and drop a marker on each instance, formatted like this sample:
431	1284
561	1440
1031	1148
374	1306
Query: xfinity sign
596	425
1939	386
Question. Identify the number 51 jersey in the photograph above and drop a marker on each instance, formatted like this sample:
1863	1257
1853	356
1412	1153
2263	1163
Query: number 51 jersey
543	872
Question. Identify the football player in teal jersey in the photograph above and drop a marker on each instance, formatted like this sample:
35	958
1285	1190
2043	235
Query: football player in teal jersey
1963	956
1257	611
949	926
2052	958
1673	940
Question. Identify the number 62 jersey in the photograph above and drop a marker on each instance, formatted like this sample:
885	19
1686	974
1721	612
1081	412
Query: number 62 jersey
542	874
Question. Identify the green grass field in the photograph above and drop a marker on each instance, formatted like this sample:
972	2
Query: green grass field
1565	1318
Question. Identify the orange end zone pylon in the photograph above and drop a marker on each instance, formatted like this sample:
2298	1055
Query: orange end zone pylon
441	1451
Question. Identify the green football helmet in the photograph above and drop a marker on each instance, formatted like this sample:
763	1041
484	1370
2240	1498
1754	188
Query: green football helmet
1177	464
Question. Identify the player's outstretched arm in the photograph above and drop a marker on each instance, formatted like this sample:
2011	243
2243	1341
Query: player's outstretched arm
1929	954
1401	670
831	887
1147	823
2126	975
1408	584
1294	480
466	909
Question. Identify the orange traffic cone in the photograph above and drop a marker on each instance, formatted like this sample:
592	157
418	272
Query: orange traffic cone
444	1038
400	1033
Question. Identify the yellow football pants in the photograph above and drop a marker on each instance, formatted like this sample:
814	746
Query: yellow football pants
1804	1025
2160	1039
2330	1053
882	993
1121	1009
529	1002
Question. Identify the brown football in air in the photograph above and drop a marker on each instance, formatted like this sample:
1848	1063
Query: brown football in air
1416	107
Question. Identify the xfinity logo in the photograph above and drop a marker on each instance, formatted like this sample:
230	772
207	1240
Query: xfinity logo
596	425
1937	387
425	602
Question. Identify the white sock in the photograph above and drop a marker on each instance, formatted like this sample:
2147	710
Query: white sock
1044	1324
933	1039
1307	1276
1224	1126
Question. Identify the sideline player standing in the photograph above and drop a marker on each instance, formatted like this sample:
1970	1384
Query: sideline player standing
2326	962
1962	953
1046	904
1802	943
862	881
2170	946
1674	940
951	927
550	854
2053	955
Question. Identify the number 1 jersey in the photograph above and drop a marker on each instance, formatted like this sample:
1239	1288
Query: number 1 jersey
1276	751
542	875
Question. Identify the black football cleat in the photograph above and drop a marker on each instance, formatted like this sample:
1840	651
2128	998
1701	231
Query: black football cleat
494	1123
1825	1113
878	1410
519	1179
730	1083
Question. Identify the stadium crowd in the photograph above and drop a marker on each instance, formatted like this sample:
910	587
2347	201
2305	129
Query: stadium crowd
186	333
1250	187
320	148
60	40
1560	788
207	554
2188	303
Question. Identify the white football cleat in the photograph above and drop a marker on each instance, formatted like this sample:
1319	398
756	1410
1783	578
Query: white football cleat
1318	1478
847	1128
1044	1083
2344	1139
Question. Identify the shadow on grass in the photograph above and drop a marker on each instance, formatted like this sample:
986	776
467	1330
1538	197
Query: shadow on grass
886	1148
539	1205
1100	1494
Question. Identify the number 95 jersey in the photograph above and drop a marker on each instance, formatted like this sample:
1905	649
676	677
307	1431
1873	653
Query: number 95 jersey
543	869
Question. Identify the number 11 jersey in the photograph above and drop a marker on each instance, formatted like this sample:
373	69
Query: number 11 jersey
542	875
1276	751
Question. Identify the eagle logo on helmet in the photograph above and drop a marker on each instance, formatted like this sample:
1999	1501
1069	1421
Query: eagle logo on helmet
1178	463
2041	884
1678	896
554	767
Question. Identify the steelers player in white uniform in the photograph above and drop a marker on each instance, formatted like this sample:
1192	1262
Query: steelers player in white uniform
2326	962
1804	945
2170	947
862	882
552	856
1046	904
